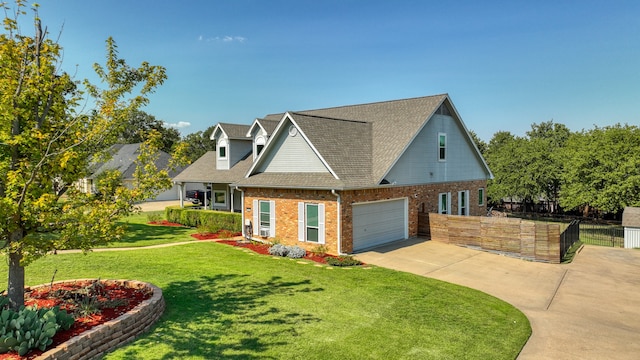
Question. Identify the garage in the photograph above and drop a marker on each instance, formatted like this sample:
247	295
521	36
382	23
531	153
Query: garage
379	222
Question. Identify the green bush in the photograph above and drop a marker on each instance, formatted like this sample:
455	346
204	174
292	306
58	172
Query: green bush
210	220
343	260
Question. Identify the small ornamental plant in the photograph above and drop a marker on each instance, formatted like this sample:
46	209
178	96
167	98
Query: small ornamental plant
344	260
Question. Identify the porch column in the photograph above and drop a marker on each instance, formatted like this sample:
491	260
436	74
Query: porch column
181	192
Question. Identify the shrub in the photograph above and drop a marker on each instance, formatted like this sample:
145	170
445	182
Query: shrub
296	252
31	328
154	217
208	219
320	250
343	260
279	250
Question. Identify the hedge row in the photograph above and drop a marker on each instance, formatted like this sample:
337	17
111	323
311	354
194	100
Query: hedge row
218	220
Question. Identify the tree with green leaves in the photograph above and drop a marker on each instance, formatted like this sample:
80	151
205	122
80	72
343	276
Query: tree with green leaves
544	164
138	126
602	170
46	145
198	143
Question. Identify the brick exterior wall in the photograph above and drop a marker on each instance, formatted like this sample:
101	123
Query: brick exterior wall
422	198
93	343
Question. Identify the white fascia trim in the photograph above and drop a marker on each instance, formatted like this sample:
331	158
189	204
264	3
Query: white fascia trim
255	123
213	133
469	138
275	135
324	162
413	138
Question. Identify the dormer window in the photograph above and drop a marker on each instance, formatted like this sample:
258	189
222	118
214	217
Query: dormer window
259	145
222	149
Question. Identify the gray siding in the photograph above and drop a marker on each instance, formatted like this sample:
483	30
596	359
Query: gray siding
420	164
291	154
238	149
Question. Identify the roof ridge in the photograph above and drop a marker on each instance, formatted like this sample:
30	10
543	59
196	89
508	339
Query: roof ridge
377	102
327	117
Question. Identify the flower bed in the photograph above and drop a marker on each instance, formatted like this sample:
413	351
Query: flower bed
222	234
263	249
165	223
94	334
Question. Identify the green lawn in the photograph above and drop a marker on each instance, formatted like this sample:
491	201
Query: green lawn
139	233
227	303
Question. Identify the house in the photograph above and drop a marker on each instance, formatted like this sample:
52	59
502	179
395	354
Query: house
123	157
631	223
353	177
236	148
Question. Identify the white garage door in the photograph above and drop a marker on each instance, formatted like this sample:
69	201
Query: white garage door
379	222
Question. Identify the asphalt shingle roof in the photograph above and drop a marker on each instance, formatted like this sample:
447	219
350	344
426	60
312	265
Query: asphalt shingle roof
204	170
631	217
123	157
235	131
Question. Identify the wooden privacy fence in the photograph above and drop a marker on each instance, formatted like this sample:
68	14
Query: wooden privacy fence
529	240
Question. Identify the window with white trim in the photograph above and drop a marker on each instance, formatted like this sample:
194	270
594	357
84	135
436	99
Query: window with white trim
444	203
311	222
260	142
481	196
222	149
265	214
463	202
442	147
219	198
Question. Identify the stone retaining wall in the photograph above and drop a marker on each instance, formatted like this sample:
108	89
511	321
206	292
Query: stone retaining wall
114	333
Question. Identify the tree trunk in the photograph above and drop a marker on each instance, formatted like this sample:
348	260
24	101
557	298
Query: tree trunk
16	281
16	272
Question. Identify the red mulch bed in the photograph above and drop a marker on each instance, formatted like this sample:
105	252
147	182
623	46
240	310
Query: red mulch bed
42	297
219	235
263	249
165	223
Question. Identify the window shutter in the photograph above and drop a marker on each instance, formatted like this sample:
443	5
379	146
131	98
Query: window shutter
301	221
449	203
272	218
321	223
256	219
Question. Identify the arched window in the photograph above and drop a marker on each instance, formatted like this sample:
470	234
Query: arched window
222	149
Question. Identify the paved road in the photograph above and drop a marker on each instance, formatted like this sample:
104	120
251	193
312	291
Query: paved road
589	309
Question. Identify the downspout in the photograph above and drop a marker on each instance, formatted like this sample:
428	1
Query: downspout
339	222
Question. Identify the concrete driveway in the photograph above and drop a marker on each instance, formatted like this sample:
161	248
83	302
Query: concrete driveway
589	309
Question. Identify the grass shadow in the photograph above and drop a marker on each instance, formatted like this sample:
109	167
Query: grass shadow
225	316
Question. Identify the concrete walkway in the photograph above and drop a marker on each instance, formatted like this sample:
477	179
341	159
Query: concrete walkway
589	309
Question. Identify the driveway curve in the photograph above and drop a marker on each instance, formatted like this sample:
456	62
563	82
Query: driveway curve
589	309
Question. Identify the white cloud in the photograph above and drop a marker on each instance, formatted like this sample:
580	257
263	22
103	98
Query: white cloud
179	124
225	39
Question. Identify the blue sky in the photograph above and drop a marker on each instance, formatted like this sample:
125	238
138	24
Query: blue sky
505	64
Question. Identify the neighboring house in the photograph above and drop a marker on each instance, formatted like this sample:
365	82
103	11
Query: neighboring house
348	178
123	159
631	223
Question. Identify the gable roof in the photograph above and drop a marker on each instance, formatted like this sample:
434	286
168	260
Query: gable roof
232	131
204	170
123	157
631	217
358	143
386	117
267	125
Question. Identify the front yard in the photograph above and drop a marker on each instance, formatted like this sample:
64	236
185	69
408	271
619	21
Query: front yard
223	302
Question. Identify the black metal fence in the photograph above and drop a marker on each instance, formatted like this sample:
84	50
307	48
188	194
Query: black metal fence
569	236
602	234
